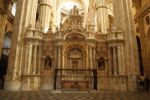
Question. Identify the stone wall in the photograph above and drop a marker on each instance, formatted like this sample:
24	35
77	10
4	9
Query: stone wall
6	21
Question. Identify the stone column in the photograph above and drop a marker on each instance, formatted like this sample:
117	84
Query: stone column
90	57
118	11
59	56
120	56
45	10
124	21
34	70
91	18
115	65
26	86
30	59
102	15
110	60
39	59
3	20
123	61
94	58
24	70
56	59
25	16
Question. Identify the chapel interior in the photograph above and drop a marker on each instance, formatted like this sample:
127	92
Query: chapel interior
101	45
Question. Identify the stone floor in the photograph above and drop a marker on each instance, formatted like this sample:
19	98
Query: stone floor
48	95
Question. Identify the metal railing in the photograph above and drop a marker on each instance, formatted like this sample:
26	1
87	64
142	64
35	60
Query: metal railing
75	79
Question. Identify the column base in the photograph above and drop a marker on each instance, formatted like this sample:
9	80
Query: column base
30	83
132	83
46	83
12	85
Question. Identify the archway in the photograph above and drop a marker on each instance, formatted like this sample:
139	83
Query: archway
140	55
74	75
4	58
75	57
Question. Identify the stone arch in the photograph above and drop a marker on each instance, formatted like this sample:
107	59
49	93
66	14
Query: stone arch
137	4
140	55
71	47
4	57
147	71
6	43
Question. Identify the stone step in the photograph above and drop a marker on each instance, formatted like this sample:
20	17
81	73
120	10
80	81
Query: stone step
72	95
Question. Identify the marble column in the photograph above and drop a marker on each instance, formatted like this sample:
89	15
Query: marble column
102	16
45	10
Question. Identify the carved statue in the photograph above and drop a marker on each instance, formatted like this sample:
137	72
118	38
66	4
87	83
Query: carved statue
75	10
48	62
101	63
